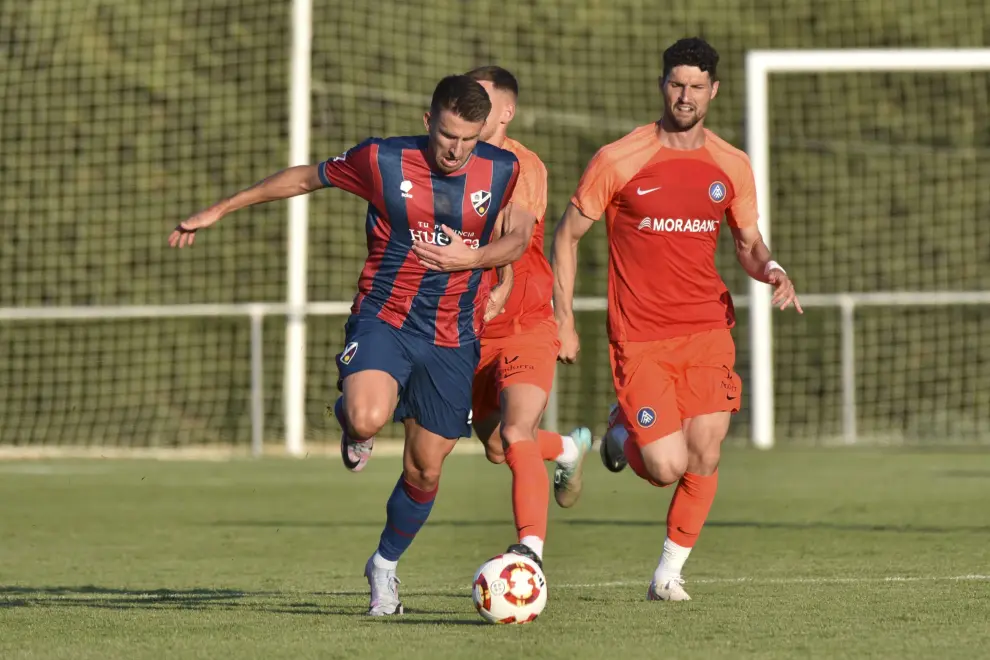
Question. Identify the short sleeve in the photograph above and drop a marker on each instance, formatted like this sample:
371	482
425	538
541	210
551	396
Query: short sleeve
354	170
742	211
531	188
598	186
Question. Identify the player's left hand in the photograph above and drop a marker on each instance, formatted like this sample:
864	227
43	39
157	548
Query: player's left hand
496	301
185	233
446	258
783	291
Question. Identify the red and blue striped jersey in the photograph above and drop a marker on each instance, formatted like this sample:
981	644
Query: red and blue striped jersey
409	201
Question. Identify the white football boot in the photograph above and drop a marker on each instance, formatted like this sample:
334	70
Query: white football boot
671	589
384	590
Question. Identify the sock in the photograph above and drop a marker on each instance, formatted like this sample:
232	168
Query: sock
687	514
407	510
635	458
671	562
570	454
551	445
530	489
381	562
534	543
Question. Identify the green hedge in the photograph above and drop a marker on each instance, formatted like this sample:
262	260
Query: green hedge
121	118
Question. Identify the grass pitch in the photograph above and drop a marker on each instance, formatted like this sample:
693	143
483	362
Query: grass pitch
807	554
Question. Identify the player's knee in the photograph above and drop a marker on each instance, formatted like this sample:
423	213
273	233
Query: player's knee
493	447
367	420
706	460
513	433
667	468
424	478
705	451
494	452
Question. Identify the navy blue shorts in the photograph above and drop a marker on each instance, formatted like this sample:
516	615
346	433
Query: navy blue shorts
434	381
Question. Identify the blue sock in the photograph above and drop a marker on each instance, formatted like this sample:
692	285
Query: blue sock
407	509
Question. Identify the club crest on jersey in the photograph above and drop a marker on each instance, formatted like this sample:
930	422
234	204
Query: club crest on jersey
646	417
349	352
716	191
480	200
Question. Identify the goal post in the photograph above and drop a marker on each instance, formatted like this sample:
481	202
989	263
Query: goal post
760	64
300	119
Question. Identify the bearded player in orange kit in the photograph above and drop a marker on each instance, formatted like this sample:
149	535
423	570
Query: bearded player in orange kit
664	189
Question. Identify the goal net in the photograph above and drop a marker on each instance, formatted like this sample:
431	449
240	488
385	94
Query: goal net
877	190
121	118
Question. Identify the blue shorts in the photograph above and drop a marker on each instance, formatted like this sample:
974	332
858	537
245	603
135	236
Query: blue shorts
434	381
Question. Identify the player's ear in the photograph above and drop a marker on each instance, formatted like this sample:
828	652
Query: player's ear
426	120
509	113
714	89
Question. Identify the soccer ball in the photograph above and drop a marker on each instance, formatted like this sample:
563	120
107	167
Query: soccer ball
509	588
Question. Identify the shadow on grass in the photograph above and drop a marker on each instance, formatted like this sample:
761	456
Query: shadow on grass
271	602
605	522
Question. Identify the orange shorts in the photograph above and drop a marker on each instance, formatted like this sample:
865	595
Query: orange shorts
662	383
529	357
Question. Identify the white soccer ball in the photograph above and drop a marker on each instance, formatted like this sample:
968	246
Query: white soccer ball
509	588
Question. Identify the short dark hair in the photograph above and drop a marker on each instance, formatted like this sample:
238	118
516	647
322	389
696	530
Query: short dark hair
463	96
501	78
693	51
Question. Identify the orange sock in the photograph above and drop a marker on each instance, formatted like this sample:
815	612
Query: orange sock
530	489
689	508
551	445
635	458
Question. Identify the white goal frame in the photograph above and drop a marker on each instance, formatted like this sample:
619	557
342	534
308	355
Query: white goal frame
759	65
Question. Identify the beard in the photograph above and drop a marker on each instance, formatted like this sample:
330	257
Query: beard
683	121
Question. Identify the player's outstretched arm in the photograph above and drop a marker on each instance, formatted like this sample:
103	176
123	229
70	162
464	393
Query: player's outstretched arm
517	229
289	182
754	256
563	260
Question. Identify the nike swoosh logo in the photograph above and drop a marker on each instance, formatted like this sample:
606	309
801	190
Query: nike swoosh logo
640	191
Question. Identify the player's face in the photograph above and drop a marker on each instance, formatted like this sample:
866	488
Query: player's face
452	139
503	110
687	91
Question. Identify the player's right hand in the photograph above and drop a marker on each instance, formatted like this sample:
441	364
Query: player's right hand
783	291
185	233
570	343
496	301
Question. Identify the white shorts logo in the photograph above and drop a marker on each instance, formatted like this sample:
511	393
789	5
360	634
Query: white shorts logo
349	352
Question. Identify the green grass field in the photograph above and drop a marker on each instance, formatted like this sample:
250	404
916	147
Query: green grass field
807	554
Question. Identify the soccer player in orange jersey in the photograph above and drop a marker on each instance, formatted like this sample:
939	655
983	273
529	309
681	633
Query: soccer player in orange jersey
664	190
519	349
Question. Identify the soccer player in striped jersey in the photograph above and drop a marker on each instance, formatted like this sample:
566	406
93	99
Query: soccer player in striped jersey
411	342
664	189
519	352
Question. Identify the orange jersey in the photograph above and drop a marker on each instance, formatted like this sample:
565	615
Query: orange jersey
529	304
663	210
